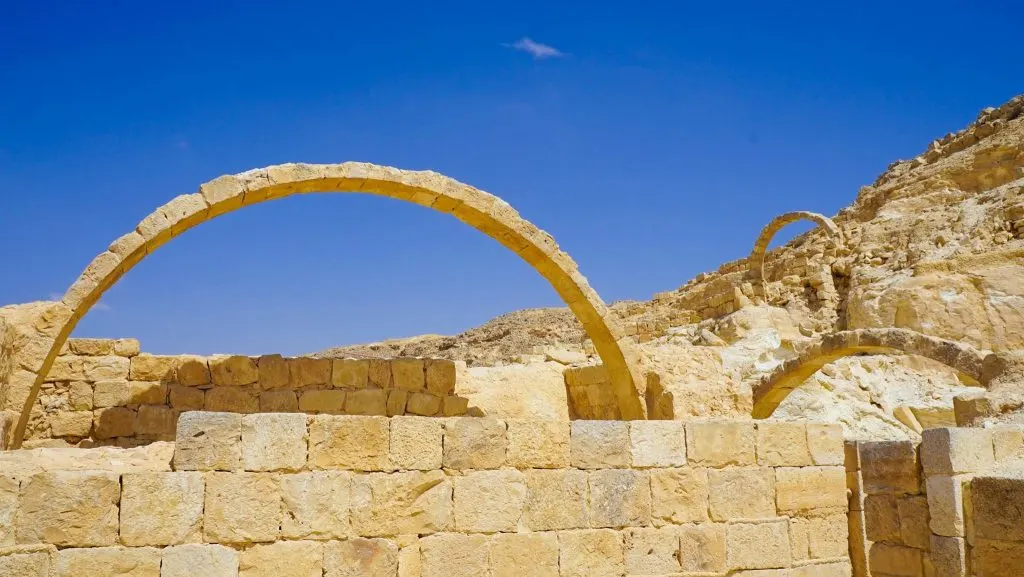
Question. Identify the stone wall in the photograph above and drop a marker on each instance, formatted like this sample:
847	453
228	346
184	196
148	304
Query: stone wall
102	391
291	495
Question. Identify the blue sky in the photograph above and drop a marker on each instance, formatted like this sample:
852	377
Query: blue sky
652	139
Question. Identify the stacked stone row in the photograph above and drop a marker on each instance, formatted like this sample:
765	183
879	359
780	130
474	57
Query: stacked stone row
288	495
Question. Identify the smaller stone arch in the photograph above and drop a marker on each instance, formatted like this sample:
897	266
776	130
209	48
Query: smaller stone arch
776	386
755	261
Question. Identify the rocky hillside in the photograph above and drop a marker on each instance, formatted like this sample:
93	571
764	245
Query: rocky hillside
935	244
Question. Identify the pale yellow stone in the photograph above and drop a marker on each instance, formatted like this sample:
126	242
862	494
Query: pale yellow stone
720	443
513	555
946	505
416	443
91	347
781	444
679	495
69	509
233	371
304	372
315	505
599	444
104	368
440	377
489	501
323	401
232	400
475	443
195	560
889	559
146	393
402	503
187	398
758	545
410	562
155	421
110	394
397	401
423	404
9	488
192	371
147	367
825	443
278	402
369	402
620	498
805	489
408	374
453	406
657	443
159	509
126	347
274	442
950	451
652	551
455	555
534	444
591	553
379	373
71	423
361	558
702	548
742	493
350	373
113	422
556	499
273	372
829	536
349	442
283	559
208	442
25	563
114	561
80	396
241	508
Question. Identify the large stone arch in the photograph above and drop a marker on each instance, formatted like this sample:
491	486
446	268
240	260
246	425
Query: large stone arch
776	386
481	210
755	261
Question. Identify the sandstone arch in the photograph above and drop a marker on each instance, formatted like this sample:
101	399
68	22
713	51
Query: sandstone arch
755	261
481	210
776	386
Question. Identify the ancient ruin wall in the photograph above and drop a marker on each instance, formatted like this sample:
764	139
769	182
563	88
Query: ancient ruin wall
290	495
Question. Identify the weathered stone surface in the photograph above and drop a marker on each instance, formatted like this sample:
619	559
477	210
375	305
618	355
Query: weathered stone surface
110	394
315	505
274	442
232	400
9	489
160	509
272	372
113	422
379	373
208	442
556	499
350	373
591	553
349	442
948	556
408	374
829	536
951	451
370	402
679	495
657	443
914	529
998	508
146	393
512	555
652	551
1008	442
322	401
718	444
25	563
71	424
147	367
946	505
69	509
279	402
489	501
113	561
233	371
758	545
397	402
890	467
416	443
475	443
440	377
205	560
241	508
455	555
805	489
360	558
304	371
192	371
782	445
702	548
742	493
423	404
889	559
283	559
155	421
881	518
620	498
599	444
402	503
537	444
187	398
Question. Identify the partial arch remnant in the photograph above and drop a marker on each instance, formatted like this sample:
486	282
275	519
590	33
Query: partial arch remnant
776	386
756	259
481	210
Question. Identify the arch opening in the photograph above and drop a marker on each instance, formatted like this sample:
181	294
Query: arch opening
755	261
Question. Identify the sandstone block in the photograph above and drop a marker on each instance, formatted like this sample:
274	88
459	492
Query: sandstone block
416	443
805	489
187	398
828	537
679	495
536	444
948	556
347	442
91	347
69	509
157	421
475	443
315	505
423	404
192	371
718	444
350	373
283	559
742	493
232	400
452	406
950	451
758	545
512	554
599	444
489	501
556	499
71	423
146	393
233	371
159	509
208	442
397	401
781	444
272	372
103	561
440	377
998	504
126	347
147	367
591	553
702	548
113	422
278	402
620	498
1008	442
9	489
80	396
914	529
657	443
366	402
401	503
241	508
205	560
303	372
110	394
274	442
455	555
409	561
652	551
889	467
378	373
408	374
323	401
946	505
103	369
888	559
360	558
25	563
881	518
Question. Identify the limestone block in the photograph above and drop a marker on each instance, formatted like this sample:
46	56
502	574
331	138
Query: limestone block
742	493
192	371
556	499
349	442
599	444
889	559
350	373
758	545
278	402
828	536
702	548
721	443
512	554
156	421
323	401
233	371
534	444
272	372
881	518
126	347
416	443
806	489
315	505
366	402
283	559
110	394
146	393
409	561
208	442
113	561
889	467
69	509
620	498
1008	442
950	451
159	509
423	404
274	442
781	444
232	400
489	501
657	443
241	508
455	555
948	556
679	495
397	401
25	563
591	553
408	374
104	369
9	488
652	551
71	423
187	398
303	372
360	558
914	529
401	503
453	406
440	377
91	347
205	560
147	367
946	505
474	443
378	373
80	396
998	504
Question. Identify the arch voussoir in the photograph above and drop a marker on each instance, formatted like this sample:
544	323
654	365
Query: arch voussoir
755	262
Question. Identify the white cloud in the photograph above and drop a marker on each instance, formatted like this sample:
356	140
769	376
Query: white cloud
536	49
